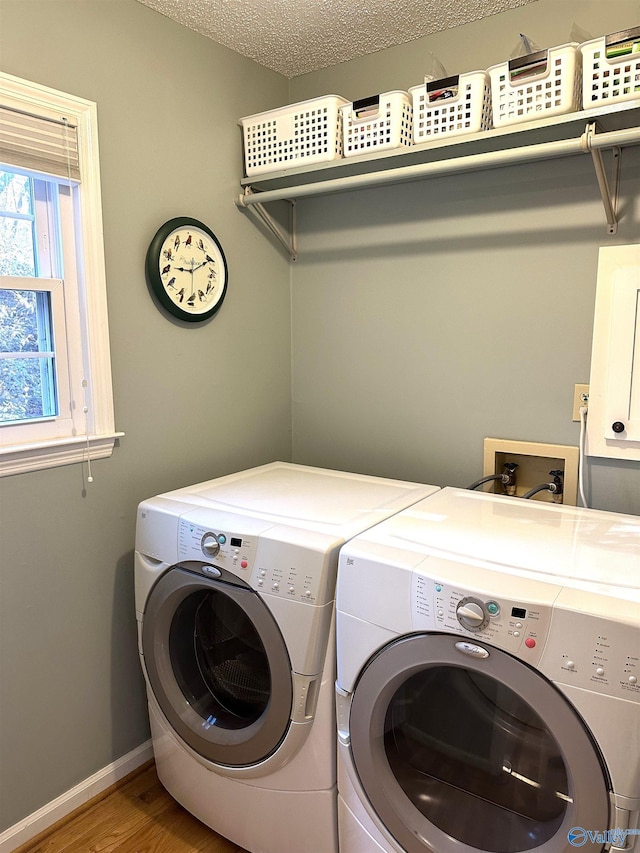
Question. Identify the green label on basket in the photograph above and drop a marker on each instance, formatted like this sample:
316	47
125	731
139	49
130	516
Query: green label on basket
623	49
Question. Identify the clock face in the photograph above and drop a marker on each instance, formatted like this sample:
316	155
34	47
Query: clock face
187	269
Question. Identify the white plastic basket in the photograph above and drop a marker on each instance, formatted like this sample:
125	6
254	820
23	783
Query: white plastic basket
611	68
377	123
541	84
453	105
296	135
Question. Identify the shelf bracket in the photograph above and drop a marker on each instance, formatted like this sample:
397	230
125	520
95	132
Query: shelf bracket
287	240
608	193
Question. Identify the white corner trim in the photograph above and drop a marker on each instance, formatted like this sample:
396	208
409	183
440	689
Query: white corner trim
63	805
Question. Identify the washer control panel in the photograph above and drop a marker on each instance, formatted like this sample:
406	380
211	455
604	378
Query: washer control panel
286	581
227	549
516	626
292	571
268	563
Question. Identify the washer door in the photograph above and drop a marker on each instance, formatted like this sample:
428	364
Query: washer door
218	666
456	752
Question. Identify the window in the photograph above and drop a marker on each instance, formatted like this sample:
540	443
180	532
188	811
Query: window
56	403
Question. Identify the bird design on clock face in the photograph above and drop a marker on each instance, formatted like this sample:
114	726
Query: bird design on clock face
187	269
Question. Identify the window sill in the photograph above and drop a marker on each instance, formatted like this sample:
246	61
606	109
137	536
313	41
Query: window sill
20	458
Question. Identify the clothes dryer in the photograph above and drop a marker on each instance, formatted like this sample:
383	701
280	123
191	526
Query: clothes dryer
234	586
488	679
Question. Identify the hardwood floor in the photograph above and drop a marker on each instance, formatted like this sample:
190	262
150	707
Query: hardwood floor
134	816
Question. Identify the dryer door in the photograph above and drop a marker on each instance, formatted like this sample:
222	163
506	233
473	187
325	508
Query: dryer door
463	753
218	666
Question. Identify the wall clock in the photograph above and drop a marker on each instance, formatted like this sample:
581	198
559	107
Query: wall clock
187	269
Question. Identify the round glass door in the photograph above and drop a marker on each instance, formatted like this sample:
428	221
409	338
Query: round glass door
457	751
218	667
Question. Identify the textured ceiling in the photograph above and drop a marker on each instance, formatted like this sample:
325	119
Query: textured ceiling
294	37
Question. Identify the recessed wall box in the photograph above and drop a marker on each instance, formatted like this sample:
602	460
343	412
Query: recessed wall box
535	462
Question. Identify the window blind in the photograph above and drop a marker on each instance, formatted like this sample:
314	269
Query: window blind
39	143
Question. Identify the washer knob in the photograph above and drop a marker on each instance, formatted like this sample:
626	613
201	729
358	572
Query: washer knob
618	426
471	615
210	544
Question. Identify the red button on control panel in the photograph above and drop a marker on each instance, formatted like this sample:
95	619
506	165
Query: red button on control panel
244	564
530	643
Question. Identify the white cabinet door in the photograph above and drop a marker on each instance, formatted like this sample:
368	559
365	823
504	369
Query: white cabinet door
613	424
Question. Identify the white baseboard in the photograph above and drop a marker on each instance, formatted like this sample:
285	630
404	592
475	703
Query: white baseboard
63	805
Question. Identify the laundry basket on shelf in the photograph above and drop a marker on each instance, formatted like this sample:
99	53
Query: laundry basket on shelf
451	106
296	135
377	123
539	85
611	68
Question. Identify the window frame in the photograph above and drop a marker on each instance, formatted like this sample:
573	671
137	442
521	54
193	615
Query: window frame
89	360
60	423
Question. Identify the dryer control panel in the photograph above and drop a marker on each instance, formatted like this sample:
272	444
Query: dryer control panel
575	637
596	652
492	613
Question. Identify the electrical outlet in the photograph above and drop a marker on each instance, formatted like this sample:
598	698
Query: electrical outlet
580	398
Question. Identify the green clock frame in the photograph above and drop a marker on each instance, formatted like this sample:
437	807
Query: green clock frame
187	270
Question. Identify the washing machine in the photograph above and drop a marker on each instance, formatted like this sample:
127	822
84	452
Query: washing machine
234	588
487	681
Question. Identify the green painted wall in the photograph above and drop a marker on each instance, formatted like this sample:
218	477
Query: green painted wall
194	402
430	315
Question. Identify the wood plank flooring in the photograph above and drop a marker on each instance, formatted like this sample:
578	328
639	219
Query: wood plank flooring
134	816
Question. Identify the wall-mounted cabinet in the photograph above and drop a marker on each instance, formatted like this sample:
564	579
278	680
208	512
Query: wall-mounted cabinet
613	425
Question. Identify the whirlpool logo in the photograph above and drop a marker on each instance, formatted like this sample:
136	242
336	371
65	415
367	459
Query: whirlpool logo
578	836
